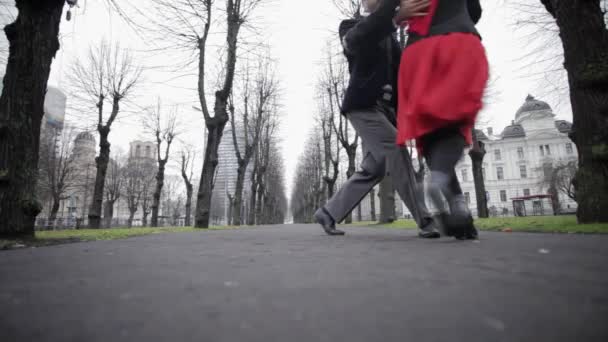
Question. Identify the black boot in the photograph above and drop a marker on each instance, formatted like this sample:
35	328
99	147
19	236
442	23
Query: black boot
431	229
327	222
460	221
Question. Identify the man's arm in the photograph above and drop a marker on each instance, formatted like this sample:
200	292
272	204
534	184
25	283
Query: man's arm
370	30
474	10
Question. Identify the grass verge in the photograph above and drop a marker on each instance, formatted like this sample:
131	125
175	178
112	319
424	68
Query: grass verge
53	237
535	224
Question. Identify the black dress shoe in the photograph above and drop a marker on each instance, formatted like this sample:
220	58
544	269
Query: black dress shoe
460	226
327	222
431	230
471	233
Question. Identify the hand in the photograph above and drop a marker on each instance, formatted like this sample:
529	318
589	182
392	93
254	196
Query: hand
412	8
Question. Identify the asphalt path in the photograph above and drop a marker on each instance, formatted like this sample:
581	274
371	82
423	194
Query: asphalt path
293	283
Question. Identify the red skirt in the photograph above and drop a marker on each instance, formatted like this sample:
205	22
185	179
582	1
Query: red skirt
441	83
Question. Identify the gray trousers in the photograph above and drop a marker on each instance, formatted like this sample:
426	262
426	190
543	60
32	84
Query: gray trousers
381	156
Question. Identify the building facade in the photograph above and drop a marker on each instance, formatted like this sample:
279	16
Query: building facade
519	163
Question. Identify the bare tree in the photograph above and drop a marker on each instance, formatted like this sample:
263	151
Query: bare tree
556	178
146	200
274	200
22	108
348	8
107	76
477	153
187	170
308	182
138	174
256	108
186	25
164	131
331	150
172	200
57	167
113	187
7	15
584	35
335	86
565	182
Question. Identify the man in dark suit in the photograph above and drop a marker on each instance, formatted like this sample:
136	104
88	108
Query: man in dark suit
373	55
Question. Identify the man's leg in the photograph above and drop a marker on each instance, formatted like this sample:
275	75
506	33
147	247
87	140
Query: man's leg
380	137
356	187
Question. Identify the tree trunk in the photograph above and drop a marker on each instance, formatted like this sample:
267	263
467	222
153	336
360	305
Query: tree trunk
229	218
188	218
160	182
33	43
130	220
53	213
585	41
108	213
238	195
144	221
100	179
372	200
352	154
477	154
252	198
387	200
203	204
259	206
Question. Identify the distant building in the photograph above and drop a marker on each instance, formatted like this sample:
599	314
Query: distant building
76	207
142	149
518	161
226	176
54	107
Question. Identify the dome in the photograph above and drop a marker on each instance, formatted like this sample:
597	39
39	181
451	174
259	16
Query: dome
514	131
85	136
563	126
532	105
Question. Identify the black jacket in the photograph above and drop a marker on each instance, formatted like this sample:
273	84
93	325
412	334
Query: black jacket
373	54
452	16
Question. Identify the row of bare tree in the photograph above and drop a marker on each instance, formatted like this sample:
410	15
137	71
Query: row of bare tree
106	80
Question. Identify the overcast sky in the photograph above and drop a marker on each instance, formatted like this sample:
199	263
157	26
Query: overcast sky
296	32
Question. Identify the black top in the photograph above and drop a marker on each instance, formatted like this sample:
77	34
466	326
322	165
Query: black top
373	55
452	16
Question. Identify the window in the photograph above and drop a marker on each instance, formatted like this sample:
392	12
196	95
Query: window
547	170
542	150
548	150
503	195
526	192
520	152
148	151
465	175
138	151
497	155
523	171
487	196
500	173
467	197
483	172
569	149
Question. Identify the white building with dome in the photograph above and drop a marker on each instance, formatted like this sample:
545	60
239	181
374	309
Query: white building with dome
517	159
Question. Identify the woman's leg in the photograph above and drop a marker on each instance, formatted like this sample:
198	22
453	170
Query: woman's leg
443	150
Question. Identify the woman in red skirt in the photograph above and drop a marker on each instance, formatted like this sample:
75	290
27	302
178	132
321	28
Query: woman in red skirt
443	74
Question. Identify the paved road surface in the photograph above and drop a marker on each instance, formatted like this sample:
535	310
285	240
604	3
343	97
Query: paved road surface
293	284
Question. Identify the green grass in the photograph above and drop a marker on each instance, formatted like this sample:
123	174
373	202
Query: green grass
535	224
51	237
